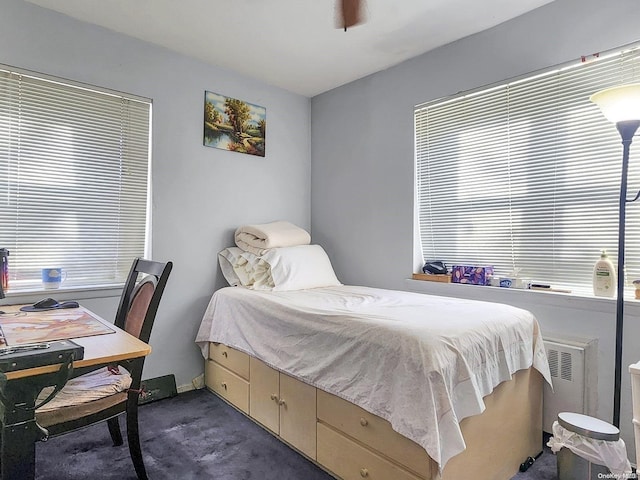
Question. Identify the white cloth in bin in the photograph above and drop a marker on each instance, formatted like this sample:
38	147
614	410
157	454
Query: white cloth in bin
611	454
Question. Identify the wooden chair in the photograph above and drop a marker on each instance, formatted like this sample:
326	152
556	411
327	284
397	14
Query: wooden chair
136	314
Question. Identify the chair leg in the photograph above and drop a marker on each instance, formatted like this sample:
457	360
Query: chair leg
114	430
134	439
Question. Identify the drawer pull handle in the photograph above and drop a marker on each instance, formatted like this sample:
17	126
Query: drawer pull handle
283	403
224	354
364	472
364	422
274	397
224	385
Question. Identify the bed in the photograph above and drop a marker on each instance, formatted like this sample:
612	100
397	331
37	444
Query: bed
430	387
368	382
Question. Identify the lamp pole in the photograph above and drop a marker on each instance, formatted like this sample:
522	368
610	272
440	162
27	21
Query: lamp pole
627	130
621	105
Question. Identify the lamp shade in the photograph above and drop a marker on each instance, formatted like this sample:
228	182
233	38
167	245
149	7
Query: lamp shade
619	104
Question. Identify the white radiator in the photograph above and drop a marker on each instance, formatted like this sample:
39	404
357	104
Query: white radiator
573	372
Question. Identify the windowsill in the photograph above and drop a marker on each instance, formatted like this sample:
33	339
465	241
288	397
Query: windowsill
61	294
508	295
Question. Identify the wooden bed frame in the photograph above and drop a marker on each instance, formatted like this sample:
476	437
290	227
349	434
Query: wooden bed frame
353	444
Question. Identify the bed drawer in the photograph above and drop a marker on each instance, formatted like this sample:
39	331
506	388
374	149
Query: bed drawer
373	431
231	359
351	461
228	385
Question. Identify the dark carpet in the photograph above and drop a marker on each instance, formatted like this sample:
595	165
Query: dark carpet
544	468
194	435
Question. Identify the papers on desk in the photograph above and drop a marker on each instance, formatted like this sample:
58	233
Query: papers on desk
35	327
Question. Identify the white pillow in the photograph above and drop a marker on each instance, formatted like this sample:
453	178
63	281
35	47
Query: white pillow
241	268
300	267
228	260
259	274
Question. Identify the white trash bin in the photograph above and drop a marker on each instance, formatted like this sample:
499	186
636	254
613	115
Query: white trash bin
588	448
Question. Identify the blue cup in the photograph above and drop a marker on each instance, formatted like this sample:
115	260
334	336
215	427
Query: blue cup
53	277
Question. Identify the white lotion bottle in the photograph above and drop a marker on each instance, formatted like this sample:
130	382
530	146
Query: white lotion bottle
604	277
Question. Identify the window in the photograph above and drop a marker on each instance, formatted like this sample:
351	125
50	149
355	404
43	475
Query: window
74	164
526	175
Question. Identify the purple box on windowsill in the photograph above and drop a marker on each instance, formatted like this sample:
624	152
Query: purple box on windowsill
472	275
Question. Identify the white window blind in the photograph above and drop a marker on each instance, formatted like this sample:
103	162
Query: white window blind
74	167
526	175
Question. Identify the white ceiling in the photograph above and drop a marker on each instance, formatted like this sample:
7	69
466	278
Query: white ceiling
294	44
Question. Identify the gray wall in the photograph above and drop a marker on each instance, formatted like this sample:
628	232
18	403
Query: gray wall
200	194
363	165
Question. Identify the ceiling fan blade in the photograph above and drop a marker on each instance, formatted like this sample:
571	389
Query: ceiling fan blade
350	13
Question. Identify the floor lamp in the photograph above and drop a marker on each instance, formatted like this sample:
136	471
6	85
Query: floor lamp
621	105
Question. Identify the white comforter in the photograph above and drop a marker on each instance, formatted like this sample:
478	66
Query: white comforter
258	239
421	362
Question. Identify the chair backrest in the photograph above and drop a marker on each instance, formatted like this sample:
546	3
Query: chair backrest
141	297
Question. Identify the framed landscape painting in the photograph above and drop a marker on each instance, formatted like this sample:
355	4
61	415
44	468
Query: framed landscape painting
234	125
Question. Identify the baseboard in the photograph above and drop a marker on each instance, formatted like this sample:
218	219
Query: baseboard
187	387
196	384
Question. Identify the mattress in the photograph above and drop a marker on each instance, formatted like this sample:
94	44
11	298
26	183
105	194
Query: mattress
422	362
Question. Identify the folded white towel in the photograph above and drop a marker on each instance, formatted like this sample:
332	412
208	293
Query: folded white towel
260	238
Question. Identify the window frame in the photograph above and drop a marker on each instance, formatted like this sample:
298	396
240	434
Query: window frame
424	253
78	93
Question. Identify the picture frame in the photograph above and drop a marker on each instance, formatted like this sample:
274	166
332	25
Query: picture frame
234	125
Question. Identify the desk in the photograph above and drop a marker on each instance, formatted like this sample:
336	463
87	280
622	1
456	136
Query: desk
19	428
